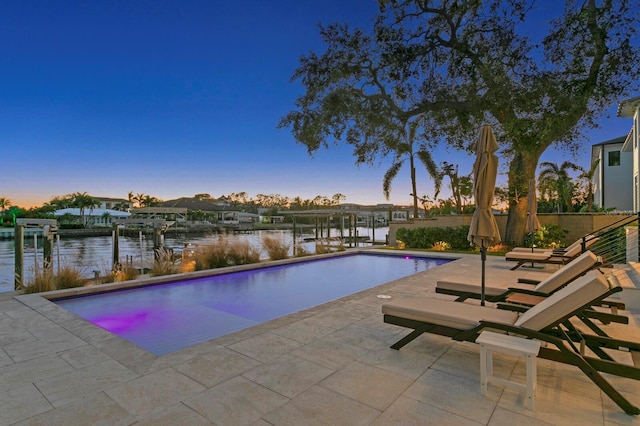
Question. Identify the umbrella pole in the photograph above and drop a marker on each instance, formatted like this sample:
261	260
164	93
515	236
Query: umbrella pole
483	258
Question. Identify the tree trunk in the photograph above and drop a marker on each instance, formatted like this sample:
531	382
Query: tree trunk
521	169
414	187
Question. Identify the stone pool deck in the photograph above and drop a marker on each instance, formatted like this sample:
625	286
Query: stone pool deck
327	365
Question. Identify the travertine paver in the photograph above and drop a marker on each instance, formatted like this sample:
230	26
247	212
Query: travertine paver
21	402
288	375
318	405
370	385
64	388
177	414
460	395
409	411
326	365
153	392
238	401
217	366
266	347
94	409
27	372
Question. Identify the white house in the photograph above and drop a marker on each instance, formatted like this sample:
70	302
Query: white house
114	203
630	109
612	182
97	217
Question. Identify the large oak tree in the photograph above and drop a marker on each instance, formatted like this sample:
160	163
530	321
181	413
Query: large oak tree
536	78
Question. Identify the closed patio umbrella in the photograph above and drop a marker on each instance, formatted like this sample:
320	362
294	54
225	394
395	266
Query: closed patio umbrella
533	224
483	231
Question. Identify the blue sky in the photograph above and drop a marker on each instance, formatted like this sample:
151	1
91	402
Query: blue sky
174	98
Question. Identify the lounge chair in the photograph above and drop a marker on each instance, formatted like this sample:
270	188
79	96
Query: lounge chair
548	322
470	288
558	257
524	295
558	250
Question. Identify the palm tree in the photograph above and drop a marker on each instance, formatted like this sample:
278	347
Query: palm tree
122	206
555	179
461	186
82	201
5	203
404	150
588	176
149	201
338	198
106	217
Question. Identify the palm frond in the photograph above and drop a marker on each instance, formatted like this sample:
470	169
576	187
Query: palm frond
389	176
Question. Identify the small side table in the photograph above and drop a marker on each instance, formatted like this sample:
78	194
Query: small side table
511	345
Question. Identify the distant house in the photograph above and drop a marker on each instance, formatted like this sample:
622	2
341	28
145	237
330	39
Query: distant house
114	203
630	109
97	217
209	211
612	182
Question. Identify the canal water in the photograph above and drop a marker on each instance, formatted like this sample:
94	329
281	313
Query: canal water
88	254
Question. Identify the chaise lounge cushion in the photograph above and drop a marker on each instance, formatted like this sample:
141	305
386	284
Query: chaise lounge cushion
551	283
564	275
461	316
541	256
566	300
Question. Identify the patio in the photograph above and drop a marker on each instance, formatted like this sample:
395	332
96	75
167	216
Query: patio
327	365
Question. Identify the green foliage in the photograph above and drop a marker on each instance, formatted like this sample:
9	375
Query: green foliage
455	237
547	236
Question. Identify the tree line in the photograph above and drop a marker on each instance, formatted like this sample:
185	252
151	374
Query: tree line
238	200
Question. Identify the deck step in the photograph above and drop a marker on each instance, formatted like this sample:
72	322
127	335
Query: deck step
635	356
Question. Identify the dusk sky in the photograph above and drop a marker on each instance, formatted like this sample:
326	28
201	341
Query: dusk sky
174	98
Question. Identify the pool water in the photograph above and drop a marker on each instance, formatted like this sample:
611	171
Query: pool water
167	317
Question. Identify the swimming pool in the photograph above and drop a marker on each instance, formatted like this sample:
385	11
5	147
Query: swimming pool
167	317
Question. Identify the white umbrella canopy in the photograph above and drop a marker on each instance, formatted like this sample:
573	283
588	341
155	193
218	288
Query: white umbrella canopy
483	231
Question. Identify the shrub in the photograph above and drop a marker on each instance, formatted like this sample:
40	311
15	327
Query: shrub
69	277
275	248
46	280
499	248
212	255
441	246
163	263
127	273
300	251
547	236
242	253
425	238
42	281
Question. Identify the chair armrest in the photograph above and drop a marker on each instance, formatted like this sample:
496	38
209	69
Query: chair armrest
513	290
528	281
512	307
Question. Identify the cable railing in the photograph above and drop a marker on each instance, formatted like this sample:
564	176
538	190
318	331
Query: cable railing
612	242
